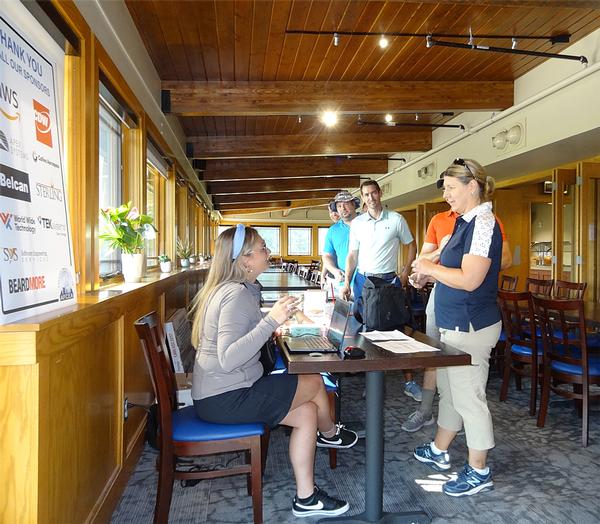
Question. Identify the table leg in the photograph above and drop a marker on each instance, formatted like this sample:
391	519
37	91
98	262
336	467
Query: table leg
374	465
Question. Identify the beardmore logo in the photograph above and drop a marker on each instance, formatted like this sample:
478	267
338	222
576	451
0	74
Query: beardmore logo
14	184
42	123
20	285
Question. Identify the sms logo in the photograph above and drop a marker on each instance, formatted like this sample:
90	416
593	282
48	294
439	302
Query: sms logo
42	123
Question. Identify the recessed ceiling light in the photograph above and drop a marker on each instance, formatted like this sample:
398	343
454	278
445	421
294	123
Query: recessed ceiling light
388	118
329	118
383	42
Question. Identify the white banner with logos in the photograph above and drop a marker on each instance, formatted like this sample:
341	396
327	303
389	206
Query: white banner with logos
36	264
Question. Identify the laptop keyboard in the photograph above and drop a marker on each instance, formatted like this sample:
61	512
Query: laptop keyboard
316	343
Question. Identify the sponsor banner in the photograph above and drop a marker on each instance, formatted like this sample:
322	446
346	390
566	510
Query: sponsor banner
36	267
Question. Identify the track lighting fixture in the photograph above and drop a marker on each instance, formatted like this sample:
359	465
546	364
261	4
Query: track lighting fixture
329	118
410	124
383	42
336	39
388	118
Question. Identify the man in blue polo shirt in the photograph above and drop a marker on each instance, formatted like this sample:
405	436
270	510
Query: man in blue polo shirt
335	249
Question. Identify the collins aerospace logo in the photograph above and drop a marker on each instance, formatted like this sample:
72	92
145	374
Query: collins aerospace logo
14	184
42	123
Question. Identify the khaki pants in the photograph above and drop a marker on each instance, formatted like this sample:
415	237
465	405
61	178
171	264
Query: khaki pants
462	388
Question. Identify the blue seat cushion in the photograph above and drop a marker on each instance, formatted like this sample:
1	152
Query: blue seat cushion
574	369
525	351
187	427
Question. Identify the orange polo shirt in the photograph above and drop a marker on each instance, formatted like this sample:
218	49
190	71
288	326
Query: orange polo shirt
442	224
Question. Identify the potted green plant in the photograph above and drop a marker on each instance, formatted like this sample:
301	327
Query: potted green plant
184	250
165	263
125	228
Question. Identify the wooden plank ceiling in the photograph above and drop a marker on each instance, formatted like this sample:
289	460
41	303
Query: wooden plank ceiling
248	94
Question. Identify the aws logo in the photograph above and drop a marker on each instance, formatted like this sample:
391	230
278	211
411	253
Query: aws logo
43	131
10	254
11	97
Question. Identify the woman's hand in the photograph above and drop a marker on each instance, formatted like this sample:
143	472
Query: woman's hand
423	267
284	309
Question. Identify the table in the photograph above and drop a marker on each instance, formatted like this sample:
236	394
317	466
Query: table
285	282
376	361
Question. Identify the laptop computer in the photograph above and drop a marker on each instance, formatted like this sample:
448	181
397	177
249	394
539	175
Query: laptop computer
335	334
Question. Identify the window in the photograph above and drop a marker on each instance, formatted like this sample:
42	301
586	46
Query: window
270	234
110	146
220	229
152	209
299	241
322	235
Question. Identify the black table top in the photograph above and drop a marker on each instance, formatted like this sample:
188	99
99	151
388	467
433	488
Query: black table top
285	282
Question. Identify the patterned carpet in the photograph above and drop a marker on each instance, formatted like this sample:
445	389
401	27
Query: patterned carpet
540	475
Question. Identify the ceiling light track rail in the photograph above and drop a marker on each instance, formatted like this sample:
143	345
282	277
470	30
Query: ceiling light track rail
410	124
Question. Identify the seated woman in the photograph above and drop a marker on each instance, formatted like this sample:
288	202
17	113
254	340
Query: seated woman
228	385
468	318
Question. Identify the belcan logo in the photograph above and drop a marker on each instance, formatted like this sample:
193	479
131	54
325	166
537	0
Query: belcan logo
3	141
42	123
50	192
14	183
10	254
20	285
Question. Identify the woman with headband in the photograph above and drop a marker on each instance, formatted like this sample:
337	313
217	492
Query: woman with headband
228	385
467	315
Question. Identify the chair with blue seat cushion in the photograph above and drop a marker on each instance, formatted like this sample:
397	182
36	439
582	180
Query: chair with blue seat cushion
183	434
521	348
566	357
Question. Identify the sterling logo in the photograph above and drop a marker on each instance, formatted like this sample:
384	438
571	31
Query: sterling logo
42	124
50	192
19	285
14	184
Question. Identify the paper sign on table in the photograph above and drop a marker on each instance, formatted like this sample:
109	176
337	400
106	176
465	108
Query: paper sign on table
386	335
409	346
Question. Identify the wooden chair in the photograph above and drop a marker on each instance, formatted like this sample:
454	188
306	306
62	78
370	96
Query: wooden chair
569	290
566	358
509	283
523	347
539	286
183	434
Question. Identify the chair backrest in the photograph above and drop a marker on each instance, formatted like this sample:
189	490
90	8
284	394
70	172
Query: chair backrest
509	283
152	338
518	319
570	290
539	286
563	331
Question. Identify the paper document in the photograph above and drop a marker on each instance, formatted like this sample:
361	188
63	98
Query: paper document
386	335
408	346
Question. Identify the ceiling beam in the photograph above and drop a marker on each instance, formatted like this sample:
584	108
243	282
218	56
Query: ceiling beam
291	167
293	184
351	97
322	144
271	197
278	204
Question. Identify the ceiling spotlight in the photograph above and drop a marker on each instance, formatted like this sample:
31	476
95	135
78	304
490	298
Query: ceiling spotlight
329	118
336	39
383	42
388	118
299	119
514	43
416	117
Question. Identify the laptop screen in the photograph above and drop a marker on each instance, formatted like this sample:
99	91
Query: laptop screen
339	319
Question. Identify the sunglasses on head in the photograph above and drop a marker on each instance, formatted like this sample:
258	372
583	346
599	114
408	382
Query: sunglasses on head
461	162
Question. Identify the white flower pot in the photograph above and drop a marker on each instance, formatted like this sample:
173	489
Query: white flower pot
132	266
192	260
165	267
185	262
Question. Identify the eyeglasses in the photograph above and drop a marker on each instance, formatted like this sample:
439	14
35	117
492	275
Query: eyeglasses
461	162
263	249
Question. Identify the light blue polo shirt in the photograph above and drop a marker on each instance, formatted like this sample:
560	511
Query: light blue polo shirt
378	241
336	242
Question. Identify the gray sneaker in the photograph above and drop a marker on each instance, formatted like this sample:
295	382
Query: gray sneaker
416	421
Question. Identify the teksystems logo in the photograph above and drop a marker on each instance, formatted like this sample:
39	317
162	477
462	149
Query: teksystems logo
10	254
42	123
14	184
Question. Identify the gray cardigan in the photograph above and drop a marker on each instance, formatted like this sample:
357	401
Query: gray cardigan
234	331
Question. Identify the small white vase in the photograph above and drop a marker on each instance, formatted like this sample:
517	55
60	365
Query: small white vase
192	260
132	266
185	262
165	267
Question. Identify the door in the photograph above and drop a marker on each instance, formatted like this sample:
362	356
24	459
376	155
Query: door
589	174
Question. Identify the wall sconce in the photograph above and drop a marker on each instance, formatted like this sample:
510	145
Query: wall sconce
500	140
505	137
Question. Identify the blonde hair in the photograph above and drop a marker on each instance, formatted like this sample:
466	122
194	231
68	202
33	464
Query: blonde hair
223	269
472	170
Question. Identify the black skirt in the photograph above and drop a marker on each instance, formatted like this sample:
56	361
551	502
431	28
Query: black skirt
268	400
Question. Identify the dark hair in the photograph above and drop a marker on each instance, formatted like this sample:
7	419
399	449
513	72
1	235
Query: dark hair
370	183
